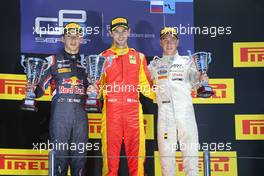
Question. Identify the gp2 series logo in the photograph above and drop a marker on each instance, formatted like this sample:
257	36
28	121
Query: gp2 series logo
54	26
57	30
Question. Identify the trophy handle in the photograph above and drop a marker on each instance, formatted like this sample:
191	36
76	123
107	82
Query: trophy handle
209	58
189	53
109	61
104	67
190	56
155	58
83	61
96	69
49	61
97	60
22	62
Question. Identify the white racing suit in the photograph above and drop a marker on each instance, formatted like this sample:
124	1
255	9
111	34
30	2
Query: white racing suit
174	78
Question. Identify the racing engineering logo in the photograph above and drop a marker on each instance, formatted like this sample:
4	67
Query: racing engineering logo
12	87
95	120
248	54
164	6
23	162
249	126
223	92
222	164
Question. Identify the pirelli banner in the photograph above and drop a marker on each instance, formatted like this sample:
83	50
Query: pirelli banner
12	87
23	162
249	126
35	162
222	164
248	54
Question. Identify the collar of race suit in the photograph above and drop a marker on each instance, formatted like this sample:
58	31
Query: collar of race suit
119	51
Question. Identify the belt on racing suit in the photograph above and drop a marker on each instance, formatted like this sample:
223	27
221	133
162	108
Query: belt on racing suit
129	100
167	101
69	100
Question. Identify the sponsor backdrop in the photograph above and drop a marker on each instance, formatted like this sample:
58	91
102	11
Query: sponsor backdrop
42	22
230	124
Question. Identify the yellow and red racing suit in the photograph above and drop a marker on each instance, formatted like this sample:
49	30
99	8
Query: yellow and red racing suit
125	76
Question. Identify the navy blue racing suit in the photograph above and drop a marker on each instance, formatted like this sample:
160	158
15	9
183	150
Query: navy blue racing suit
68	124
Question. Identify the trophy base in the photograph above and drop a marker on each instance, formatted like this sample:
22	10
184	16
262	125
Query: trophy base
93	105
205	92
29	105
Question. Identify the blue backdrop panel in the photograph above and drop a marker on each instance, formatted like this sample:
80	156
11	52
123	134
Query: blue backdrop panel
42	20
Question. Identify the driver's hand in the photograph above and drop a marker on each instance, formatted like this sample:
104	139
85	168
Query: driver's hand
91	89
204	78
30	87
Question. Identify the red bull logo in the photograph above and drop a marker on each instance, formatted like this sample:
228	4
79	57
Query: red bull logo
74	81
71	85
66	81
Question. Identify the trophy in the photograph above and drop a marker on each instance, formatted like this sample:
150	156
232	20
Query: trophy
202	60
94	65
34	68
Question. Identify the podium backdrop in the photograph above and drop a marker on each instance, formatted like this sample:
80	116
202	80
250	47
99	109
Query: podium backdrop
230	124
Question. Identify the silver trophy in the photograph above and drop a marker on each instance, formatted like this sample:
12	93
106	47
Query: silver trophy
94	65
202	60
34	68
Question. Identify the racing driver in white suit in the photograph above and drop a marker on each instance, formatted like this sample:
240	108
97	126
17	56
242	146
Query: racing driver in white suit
174	77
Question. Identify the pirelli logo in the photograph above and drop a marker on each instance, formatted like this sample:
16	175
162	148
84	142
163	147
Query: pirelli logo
249	127
12	87
248	54
95	120
23	162
222	164
224	92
